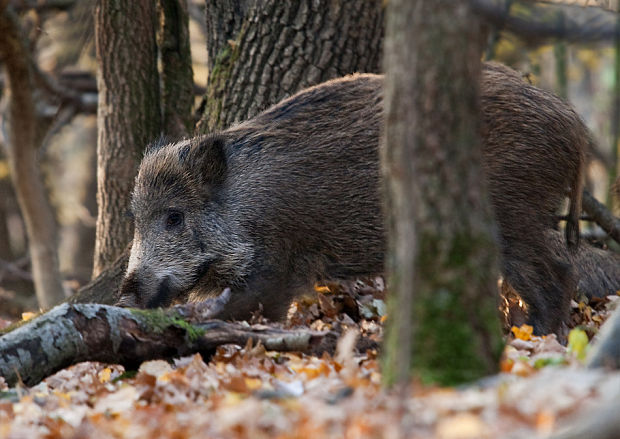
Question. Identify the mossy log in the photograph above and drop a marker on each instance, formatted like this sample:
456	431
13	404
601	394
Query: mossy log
69	334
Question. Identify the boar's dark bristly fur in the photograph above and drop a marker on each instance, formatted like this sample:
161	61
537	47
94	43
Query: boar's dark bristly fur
292	196
270	205
534	155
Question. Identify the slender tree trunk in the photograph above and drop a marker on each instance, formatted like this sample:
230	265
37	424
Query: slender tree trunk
23	162
443	322
268	50
176	61
128	116
6	252
615	118
560	52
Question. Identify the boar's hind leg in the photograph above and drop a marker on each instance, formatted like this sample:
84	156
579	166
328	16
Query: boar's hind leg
544	282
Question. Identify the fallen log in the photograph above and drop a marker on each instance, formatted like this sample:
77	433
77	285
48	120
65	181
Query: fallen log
72	333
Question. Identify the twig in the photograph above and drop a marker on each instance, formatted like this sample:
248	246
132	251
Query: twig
42	5
83	102
601	215
13	269
534	21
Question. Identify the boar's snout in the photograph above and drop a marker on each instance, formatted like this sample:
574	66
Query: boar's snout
129	293
144	290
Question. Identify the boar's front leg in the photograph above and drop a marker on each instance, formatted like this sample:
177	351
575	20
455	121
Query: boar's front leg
266	292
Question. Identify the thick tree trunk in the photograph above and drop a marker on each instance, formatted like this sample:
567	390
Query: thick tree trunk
177	75
24	165
128	116
69	334
223	23
266	51
442	272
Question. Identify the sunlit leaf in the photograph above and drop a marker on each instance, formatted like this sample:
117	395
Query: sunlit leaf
578	343
523	332
28	315
105	374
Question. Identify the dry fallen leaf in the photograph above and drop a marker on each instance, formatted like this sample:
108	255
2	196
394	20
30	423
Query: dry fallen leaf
523	332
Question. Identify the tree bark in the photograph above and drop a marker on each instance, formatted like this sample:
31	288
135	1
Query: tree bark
223	22
441	263
177	75
128	115
606	348
105	287
69	334
269	50
23	162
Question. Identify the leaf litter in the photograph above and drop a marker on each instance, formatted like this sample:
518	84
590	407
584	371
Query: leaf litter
249	392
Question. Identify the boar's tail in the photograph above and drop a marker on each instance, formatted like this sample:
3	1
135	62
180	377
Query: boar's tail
575	195
572	221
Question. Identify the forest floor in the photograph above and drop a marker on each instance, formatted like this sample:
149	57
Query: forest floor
248	392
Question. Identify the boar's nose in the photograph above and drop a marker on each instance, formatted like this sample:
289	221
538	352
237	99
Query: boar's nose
164	295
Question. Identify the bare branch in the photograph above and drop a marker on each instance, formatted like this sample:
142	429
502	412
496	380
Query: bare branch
42	5
83	102
536	21
601	215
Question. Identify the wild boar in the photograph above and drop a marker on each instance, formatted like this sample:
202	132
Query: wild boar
292	196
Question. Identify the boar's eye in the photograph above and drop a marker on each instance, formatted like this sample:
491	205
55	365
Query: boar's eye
174	219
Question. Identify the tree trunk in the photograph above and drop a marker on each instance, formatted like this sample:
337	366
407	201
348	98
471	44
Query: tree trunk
23	162
128	115
615	113
104	288
177	75
606	347
223	23
268	50
442	273
6	252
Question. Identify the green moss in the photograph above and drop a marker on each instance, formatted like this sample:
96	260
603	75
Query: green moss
446	349
454	318
156	319
159	320
18	324
216	89
193	333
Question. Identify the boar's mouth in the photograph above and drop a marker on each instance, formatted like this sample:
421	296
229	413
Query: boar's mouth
164	295
166	292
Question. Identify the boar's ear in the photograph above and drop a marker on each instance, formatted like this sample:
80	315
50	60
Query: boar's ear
206	157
